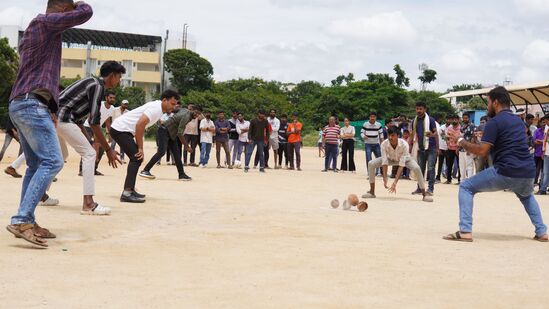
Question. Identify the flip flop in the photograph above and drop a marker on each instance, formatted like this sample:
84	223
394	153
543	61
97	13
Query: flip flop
456	237
538	238
26	231
98	210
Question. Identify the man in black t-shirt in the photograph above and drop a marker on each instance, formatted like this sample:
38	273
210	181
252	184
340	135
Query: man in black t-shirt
283	141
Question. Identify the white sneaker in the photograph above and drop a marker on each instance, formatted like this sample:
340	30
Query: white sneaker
204	165
368	195
50	202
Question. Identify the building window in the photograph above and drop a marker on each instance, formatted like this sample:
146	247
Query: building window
148	67
71	63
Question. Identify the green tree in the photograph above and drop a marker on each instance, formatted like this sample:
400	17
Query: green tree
401	79
65	82
190	71
436	106
428	77
464	87
134	95
476	103
8	72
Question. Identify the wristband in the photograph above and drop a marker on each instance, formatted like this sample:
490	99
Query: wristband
460	140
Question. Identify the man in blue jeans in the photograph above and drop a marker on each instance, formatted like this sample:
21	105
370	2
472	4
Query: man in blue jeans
33	103
513	170
257	136
372	135
424	130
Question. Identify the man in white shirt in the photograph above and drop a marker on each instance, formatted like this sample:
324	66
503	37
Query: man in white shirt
443	146
207	131
372	135
242	128
106	111
395	151
128	131
273	138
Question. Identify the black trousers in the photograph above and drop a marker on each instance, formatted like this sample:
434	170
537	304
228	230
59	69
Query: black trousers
193	140
164	143
348	155
450	157
539	168
126	141
283	151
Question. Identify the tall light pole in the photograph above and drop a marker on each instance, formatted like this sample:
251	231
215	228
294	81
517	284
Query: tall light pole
185	35
162	82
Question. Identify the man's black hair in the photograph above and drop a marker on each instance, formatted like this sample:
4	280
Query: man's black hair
220	112
111	67
501	95
469	116
530	116
373	114
261	112
197	108
392	131
109	92
168	94
421	104
52	3
295	114
484	118
284	116
406	131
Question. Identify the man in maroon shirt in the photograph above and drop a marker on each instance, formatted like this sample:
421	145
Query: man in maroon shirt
33	104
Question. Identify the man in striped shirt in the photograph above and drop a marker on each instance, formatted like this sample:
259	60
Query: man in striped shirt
330	142
372	134
33	102
81	101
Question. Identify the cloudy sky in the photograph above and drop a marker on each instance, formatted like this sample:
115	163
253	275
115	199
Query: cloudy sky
466	41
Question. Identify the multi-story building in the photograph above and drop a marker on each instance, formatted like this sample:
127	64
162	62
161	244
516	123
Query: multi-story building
84	51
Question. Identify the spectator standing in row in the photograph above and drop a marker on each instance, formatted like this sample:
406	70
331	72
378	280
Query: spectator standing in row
348	147
294	142
330	142
372	135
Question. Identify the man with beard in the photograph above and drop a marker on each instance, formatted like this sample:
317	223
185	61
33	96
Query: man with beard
513	169
424	130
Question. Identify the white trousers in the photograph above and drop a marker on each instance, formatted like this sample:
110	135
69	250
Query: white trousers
72	134
18	162
466	165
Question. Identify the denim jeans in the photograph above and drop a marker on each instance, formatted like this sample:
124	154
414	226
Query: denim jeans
330	161
260	150
205	149
490	181
42	151
545	182
427	159
375	148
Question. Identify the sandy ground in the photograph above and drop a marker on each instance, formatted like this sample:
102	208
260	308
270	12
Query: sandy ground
234	240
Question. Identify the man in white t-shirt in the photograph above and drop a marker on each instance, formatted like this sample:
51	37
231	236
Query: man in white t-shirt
273	138
106	111
207	131
128	131
443	146
242	128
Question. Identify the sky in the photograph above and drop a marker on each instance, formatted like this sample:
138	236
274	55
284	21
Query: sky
465	41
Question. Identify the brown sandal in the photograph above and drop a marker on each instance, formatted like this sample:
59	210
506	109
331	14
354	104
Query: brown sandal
41	232
26	231
540	239
457	237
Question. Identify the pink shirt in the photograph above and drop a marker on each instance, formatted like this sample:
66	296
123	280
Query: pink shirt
452	145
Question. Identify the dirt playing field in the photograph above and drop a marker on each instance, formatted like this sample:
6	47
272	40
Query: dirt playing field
234	240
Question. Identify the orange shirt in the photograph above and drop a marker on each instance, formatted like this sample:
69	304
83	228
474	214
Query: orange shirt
294	137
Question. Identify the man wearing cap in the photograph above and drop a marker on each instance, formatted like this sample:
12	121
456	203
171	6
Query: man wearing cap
117	112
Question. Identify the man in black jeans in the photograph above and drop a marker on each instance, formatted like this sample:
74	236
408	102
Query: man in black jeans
128	131
169	133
